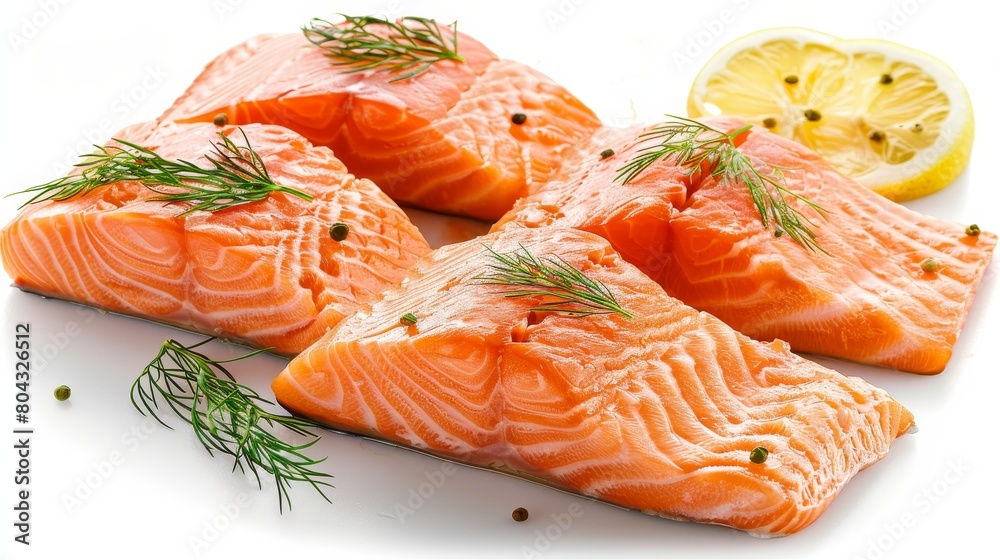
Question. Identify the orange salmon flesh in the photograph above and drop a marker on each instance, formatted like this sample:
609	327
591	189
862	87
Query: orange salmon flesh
657	413
443	140
266	273
864	298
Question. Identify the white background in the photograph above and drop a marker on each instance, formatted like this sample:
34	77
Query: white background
145	491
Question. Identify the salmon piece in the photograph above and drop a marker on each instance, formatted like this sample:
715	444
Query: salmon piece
442	140
866	299
266	273
657	413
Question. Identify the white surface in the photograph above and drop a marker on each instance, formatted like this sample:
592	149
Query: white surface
69	78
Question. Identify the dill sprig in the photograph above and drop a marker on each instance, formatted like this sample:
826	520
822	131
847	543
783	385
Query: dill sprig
570	292
237	176
410	45
227	416
695	146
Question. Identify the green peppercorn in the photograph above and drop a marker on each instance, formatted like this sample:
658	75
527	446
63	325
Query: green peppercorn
876	136
221	119
758	455
520	514
812	115
770	122
607	153
339	231
519	118
408	320
930	264
972	230
62	393
791	79
885	79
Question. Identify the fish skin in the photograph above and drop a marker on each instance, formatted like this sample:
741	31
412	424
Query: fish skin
657	413
865	299
442	140
266	273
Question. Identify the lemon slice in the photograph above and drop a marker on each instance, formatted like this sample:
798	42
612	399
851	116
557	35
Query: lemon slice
897	120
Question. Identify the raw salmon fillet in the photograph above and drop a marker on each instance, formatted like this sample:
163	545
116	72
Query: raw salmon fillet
266	273
866	299
442	140
658	413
